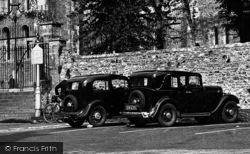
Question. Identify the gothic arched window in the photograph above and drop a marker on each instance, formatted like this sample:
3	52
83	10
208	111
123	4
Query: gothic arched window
25	35
6	37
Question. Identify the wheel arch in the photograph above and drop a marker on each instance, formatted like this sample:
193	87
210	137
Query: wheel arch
223	101
90	106
165	100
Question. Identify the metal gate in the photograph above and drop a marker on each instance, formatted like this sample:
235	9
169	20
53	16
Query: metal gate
20	68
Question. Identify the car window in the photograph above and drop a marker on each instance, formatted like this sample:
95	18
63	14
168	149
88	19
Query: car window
119	84
174	82
73	86
100	85
183	81
194	81
140	81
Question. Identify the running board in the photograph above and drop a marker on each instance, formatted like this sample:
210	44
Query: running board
202	114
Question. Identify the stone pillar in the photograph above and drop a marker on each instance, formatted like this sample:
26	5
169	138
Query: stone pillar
56	46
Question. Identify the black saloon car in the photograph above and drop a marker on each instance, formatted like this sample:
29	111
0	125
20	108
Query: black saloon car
94	98
164	96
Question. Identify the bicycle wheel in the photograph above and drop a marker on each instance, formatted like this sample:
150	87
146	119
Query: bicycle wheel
50	113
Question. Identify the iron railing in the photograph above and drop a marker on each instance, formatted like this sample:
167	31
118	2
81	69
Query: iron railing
25	70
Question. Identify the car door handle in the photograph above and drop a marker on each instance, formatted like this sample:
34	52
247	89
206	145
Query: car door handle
188	92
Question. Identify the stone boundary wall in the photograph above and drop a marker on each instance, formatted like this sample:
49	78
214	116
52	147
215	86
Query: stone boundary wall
227	66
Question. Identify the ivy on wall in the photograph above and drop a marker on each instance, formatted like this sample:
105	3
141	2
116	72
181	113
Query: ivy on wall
40	15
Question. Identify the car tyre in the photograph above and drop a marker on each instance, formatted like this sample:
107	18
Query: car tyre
167	115
137	97
70	99
75	123
230	112
97	116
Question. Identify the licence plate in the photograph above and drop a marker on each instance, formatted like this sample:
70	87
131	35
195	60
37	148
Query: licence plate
131	108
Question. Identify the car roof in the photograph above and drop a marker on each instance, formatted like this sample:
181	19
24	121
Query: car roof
162	72
92	77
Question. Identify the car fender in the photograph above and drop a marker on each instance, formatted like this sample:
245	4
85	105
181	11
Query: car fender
223	100
88	108
154	111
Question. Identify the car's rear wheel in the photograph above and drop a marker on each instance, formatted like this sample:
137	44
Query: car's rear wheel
139	122
97	116
75	123
167	115
137	97
230	112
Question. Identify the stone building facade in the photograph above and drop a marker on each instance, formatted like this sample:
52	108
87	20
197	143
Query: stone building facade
22	24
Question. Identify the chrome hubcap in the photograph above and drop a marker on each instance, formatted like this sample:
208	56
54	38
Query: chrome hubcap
97	115
167	114
230	111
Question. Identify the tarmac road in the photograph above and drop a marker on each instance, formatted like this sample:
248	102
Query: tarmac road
187	137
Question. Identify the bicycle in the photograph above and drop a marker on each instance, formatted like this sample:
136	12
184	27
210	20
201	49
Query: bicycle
51	111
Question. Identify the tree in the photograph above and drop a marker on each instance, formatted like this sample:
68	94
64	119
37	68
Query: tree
113	25
161	17
121	26
189	15
200	15
237	13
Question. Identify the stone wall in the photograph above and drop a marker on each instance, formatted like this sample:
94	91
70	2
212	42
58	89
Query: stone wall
227	66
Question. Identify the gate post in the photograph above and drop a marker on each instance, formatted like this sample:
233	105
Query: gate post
37	58
56	45
38	93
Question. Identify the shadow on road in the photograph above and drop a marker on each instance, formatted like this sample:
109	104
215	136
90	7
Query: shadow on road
16	137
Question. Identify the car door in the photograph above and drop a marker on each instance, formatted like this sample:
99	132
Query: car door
195	94
101	91
173	89
119	89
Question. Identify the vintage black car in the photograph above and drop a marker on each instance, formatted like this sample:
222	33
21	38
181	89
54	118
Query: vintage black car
94	98
164	96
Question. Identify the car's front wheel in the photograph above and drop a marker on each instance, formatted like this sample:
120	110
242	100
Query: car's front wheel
167	115
75	123
97	116
230	112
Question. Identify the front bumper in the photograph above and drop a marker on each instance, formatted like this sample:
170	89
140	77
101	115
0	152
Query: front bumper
136	114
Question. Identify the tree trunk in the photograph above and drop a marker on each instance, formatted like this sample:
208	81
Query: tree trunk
191	22
244	32
159	37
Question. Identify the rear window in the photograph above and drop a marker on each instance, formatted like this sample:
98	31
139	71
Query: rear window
140	81
100	85
73	86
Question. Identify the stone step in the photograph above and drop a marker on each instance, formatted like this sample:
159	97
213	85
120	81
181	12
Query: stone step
18	111
16	116
16	102
16	105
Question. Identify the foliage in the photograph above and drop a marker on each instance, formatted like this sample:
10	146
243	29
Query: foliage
201	15
40	15
237	13
121	26
2	16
